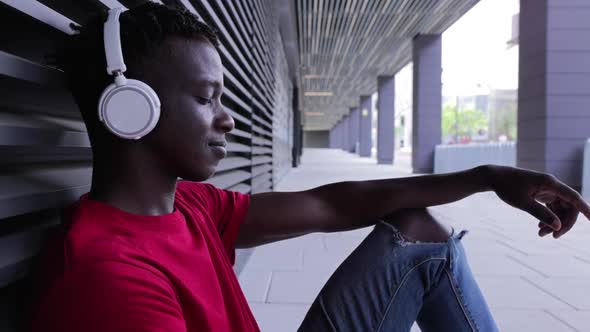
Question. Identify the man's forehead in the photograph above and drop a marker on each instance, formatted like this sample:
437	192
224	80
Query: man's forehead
194	55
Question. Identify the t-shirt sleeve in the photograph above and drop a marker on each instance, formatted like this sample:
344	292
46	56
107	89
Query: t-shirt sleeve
110	296
227	210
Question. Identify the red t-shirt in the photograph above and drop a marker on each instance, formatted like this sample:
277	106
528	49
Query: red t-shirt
114	271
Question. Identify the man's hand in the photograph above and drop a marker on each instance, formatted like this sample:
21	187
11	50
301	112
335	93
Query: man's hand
546	198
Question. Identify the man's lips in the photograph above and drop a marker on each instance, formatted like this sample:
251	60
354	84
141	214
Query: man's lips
218	144
219	149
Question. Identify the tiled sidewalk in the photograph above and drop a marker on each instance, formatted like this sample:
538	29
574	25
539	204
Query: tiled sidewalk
531	284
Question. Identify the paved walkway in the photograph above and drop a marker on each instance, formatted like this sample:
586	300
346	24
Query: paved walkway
531	284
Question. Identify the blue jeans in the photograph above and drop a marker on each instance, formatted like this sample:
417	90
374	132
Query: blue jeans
388	283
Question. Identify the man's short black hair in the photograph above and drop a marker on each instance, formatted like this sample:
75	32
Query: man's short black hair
143	30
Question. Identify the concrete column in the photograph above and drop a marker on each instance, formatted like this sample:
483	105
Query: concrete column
354	128
554	87
365	127
335	136
386	119
332	143
427	101
345	133
338	135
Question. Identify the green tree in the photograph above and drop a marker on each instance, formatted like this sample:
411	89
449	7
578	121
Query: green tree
506	122
462	123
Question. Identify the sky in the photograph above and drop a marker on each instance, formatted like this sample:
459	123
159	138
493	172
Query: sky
475	55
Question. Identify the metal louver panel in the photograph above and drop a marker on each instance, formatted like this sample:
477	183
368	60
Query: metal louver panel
248	32
45	155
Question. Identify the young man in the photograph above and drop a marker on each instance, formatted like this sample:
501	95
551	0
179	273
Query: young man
143	252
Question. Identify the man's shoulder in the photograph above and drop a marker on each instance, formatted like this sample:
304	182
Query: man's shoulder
69	251
88	237
85	246
186	187
196	194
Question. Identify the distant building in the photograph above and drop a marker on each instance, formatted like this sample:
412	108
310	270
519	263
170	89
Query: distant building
503	105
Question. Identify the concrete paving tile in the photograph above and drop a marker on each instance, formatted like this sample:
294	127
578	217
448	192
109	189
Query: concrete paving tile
483	229
531	244
272	317
312	242
574	291
477	246
327	260
516	293
255	283
499	265
579	245
296	287
556	265
357	233
528	320
580	320
342	244
276	317
277	257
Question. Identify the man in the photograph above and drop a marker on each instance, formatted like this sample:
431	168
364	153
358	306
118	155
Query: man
143	252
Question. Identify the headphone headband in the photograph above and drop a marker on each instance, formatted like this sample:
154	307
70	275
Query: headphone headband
112	43
128	108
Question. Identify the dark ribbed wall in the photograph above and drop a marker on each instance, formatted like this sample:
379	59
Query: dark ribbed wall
45	156
251	45
283	119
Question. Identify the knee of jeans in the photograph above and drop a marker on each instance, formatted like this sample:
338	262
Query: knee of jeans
450	249
418	225
427	259
403	240
400	238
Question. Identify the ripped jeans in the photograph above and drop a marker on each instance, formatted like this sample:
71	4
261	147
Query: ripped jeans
388	283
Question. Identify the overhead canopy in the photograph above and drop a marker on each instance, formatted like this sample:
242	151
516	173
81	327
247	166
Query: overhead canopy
345	44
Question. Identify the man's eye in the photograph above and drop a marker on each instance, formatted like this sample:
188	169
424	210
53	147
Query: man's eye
204	101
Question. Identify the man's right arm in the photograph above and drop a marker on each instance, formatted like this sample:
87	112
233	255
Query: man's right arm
110	296
349	205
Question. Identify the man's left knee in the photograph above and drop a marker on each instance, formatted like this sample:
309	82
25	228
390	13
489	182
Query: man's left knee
419	225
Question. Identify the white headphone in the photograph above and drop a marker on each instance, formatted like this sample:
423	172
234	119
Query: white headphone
128	108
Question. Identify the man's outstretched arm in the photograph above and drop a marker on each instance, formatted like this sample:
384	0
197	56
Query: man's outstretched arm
349	205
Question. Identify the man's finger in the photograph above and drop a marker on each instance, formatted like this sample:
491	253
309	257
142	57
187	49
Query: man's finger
568	221
544	229
543	214
584	208
571	196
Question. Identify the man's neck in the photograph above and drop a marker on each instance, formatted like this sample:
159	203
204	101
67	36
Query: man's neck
130	181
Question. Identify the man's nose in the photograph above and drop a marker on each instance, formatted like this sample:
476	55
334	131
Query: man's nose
224	121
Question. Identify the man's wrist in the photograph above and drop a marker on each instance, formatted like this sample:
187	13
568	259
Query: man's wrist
484	176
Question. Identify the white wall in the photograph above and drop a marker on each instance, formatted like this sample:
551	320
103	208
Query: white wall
451	158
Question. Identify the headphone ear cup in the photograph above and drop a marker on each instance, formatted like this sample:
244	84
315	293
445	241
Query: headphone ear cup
131	110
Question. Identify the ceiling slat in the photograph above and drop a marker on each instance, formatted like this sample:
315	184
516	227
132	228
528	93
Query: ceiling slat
345	44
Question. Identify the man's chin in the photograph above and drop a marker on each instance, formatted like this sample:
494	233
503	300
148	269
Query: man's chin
200	175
